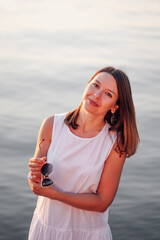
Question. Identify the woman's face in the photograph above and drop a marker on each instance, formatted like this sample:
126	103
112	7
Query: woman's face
101	94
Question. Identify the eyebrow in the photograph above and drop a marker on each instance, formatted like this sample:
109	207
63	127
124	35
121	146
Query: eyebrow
107	89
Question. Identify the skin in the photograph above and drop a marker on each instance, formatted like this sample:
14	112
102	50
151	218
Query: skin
99	97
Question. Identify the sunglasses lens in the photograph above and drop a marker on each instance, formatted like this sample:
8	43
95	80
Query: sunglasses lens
47	182
46	168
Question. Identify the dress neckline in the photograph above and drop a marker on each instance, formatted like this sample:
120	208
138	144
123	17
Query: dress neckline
87	138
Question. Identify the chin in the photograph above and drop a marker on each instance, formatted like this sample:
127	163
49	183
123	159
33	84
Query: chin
90	109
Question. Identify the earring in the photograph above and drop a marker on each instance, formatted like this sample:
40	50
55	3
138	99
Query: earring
113	119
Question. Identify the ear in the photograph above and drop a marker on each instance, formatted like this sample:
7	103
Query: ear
113	110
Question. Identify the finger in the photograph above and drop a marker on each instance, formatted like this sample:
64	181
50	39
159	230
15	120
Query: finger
35	187
30	183
35	173
35	165
37	169
38	160
35	180
29	175
33	184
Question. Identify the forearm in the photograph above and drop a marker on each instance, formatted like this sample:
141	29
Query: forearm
85	201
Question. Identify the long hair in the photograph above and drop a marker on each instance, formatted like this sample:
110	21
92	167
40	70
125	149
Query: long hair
124	120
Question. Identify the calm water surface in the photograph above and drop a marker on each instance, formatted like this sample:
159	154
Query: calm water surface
49	50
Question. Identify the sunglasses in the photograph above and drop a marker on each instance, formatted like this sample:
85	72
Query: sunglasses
46	169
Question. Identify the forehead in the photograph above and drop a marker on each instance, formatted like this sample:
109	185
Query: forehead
106	80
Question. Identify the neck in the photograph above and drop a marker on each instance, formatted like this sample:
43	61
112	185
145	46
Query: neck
89	122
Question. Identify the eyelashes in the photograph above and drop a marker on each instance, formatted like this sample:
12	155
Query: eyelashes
95	85
108	94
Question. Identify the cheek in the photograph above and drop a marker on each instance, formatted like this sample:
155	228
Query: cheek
86	92
108	102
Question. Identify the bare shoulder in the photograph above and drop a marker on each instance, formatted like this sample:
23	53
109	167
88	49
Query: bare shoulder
45	133
46	128
48	122
115	158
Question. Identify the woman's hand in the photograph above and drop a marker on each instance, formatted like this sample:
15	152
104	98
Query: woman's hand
37	189
35	165
34	178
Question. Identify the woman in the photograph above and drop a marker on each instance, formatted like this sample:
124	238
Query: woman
87	148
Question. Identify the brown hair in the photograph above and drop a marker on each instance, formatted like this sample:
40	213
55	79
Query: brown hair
125	123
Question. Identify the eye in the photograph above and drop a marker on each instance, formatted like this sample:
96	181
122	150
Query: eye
95	84
108	94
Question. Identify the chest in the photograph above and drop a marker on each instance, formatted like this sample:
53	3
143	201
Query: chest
87	134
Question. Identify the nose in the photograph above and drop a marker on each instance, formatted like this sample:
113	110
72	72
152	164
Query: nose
97	94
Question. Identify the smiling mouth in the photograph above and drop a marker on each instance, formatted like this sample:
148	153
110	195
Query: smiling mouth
93	103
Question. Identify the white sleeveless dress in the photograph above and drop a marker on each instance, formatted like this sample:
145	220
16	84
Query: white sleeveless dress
77	166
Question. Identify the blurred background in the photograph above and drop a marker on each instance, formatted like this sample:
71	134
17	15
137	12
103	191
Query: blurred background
48	52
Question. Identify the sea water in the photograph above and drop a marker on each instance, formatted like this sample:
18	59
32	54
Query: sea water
48	52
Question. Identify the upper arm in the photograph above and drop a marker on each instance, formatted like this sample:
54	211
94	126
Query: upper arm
110	178
45	133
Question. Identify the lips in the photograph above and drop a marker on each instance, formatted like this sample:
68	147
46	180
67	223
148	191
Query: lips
93	103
